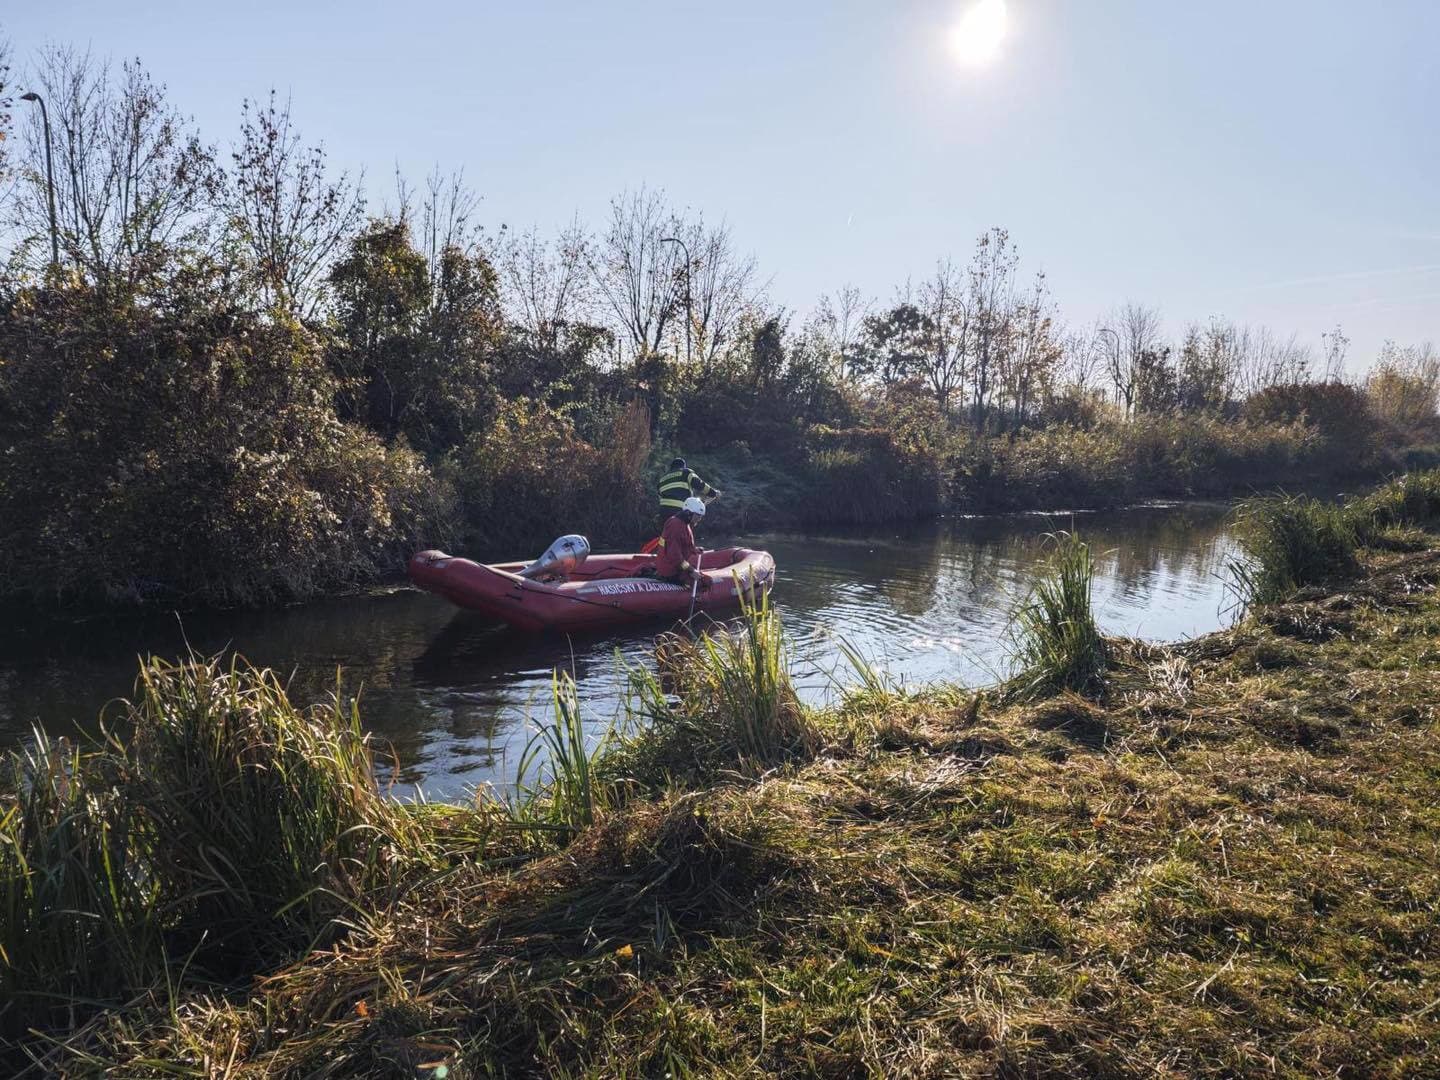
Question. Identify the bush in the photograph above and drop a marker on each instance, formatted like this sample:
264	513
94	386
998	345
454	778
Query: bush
1064	466
186	453
888	472
1339	414
530	478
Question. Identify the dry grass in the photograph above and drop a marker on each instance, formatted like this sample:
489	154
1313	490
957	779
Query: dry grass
1229	868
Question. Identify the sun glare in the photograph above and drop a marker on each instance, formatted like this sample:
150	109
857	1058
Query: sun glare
978	35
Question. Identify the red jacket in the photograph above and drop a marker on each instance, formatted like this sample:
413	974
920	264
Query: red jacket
677	546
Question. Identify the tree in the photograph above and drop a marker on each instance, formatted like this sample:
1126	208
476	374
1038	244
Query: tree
547	286
133	186
836	328
1028	366
945	315
721	284
415	344
894	344
637	276
1404	386
991	288
288	216
1133	334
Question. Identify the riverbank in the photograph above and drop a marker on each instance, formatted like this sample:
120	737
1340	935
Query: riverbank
1221	860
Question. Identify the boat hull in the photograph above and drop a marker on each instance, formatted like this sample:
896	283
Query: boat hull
605	591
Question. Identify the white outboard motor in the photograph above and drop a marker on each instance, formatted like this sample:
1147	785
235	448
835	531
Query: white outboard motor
561	558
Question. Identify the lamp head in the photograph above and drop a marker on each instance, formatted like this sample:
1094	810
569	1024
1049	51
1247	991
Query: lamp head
31	96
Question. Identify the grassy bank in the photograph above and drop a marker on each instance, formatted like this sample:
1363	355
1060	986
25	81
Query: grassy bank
1219	858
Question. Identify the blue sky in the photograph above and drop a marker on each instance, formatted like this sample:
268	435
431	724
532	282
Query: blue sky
1274	161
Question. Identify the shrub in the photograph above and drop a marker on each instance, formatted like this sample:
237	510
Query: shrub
186	453
874	474
530	478
1339	413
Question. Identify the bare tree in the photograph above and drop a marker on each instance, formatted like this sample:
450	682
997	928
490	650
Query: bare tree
941	300
837	325
6	182
722	286
290	216
547	285
991	288
1034	351
1269	361
133	186
637	277
1133	334
1337	347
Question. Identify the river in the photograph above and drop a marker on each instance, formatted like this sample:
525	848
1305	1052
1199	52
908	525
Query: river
451	693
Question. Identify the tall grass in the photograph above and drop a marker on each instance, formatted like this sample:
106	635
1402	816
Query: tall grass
224	829
77	907
1412	499
267	819
566	792
1290	541
1294	541
722	701
1056	643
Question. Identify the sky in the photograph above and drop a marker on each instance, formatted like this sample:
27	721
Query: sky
1274	162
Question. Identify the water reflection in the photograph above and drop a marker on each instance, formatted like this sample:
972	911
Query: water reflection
450	692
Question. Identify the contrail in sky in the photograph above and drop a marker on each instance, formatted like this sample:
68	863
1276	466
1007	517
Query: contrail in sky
1353	275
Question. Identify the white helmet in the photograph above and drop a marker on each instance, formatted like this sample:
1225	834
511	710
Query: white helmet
695	506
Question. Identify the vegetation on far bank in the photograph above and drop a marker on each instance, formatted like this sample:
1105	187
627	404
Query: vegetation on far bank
1217	858
243	383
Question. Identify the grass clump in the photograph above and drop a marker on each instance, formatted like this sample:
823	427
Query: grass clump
1057	644
77	914
266	819
1289	542
226	829
720	701
1292	542
556	783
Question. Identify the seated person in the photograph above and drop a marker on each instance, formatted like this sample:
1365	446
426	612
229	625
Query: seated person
678	555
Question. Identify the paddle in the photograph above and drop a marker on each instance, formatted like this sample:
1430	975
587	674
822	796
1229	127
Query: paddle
699	558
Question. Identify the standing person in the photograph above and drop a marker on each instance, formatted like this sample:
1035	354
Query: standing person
679	484
679	558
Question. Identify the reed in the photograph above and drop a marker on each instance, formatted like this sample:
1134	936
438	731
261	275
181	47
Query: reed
223	831
79	918
1412	499
720	701
556	783
267	819
1056	643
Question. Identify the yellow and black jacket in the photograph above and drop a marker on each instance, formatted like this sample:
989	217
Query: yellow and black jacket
677	486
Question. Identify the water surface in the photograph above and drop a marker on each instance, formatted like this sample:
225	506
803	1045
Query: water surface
451	692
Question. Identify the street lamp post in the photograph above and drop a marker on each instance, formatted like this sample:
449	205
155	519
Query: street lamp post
49	178
1115	366
689	313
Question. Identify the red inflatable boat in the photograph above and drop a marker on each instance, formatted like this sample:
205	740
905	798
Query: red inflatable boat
602	590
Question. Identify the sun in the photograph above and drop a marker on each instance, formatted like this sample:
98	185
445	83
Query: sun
977	37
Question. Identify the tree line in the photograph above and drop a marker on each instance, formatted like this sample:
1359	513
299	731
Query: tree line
242	377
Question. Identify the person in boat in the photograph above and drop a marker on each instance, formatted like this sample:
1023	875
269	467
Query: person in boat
678	558
678	485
